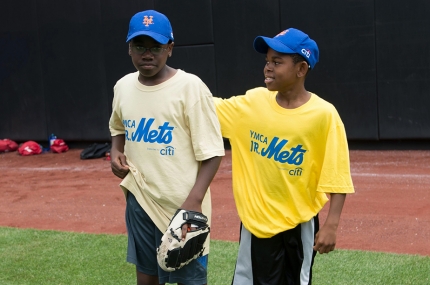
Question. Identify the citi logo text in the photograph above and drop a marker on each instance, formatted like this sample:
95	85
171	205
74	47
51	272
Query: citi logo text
169	150
296	172
306	52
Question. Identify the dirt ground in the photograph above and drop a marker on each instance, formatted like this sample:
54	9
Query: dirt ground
389	212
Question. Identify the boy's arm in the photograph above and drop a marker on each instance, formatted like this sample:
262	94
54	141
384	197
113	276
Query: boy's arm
325	240
118	160
194	200
207	172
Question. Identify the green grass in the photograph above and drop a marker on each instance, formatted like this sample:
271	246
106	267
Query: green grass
346	267
51	257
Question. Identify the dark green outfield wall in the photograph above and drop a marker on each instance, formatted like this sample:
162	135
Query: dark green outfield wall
59	60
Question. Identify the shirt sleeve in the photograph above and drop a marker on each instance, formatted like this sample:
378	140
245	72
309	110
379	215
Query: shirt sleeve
116	127
228	113
204	127
336	174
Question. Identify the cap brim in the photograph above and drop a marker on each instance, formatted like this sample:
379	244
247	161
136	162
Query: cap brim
262	44
157	37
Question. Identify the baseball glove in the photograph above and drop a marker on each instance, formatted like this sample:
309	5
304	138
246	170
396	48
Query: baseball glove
174	253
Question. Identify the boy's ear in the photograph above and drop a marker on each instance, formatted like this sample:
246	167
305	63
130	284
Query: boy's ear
170	48
303	69
129	48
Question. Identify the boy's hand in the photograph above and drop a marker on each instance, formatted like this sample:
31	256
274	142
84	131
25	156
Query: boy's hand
187	228
325	240
190	206
119	164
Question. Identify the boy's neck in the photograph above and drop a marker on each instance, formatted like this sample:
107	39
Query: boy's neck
165	74
292	99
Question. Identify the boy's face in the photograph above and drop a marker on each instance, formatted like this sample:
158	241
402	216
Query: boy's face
149	56
280	72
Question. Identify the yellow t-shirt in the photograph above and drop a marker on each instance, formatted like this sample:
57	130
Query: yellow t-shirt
283	160
169	129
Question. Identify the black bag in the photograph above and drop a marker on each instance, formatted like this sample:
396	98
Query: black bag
96	150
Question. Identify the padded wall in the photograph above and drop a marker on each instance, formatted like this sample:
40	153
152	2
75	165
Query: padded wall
22	102
403	64
194	39
59	60
191	20
236	24
115	17
73	69
185	58
346	73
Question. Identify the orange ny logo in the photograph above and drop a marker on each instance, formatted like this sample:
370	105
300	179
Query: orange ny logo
281	33
147	21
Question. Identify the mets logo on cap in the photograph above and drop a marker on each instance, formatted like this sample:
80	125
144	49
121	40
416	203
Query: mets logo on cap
148	20
150	23
282	33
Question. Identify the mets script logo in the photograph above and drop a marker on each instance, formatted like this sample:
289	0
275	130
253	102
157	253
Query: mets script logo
146	133
276	149
147	21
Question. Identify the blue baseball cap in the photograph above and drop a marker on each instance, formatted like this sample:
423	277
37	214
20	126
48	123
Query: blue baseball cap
150	23
290	41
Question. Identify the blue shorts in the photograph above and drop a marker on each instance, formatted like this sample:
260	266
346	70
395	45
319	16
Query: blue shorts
144	238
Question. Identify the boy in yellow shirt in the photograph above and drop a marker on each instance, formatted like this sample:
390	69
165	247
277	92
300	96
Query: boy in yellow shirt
289	149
